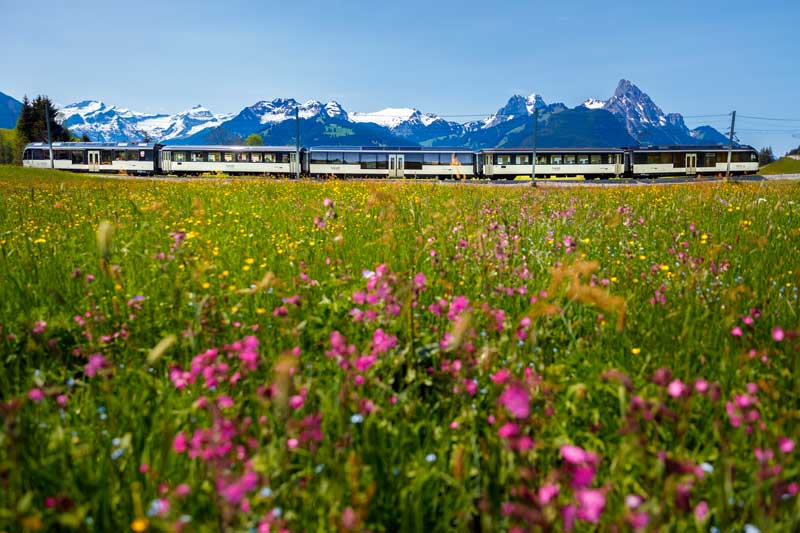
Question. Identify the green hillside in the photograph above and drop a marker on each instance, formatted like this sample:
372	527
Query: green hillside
787	165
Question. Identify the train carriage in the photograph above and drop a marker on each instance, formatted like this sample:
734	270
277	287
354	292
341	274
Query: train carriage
508	163
127	158
198	159
391	162
654	161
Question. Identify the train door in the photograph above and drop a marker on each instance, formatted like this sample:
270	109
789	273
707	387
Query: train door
618	166
691	164
166	162
396	165
94	160
488	168
293	164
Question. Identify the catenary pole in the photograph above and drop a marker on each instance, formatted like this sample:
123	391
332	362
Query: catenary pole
535	132
730	145
49	136
297	148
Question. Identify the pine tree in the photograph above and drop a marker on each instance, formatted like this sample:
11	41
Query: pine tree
32	124
765	156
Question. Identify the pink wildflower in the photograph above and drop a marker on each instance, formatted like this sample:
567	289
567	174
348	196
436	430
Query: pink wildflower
777	334
785	444
38	327
96	363
179	444
592	502
736	332
701	510
515	398
675	388
573	454
36	394
501	376
508	430
547	493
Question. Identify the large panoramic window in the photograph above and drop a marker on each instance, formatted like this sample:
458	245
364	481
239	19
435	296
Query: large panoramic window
570	159
413	161
465	159
106	156
523	159
556	159
243	157
255	157
335	158
61	155
316	158
77	157
583	159
197	157
228	157
214	157
595	159
351	158
369	161
179	157
382	161
430	159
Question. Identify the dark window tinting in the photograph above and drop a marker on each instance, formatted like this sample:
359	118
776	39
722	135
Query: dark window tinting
319	158
282	157
77	157
382	161
351	158
106	156
62	155
369	161
335	158
413	161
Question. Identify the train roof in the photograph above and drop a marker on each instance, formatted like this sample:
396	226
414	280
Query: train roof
95	146
226	148
692	148
388	149
529	149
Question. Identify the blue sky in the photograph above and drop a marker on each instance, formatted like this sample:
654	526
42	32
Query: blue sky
449	58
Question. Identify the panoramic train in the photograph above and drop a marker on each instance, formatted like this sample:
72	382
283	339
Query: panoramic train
392	162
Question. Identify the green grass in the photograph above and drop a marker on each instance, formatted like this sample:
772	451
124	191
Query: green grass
786	165
375	399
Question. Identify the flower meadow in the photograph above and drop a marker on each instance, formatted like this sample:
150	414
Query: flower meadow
255	355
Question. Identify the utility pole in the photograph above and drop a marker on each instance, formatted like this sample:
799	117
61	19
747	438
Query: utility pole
535	132
730	145
297	148
49	136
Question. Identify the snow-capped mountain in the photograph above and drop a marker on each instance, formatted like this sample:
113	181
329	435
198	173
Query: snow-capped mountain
629	117
103	123
411	123
647	123
592	103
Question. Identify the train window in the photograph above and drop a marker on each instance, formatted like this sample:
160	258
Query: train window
542	159
317	158
569	159
583	159
179	157
595	159
430	159
523	159
228	157
119	155
381	161
197	157
556	159
465	159
413	161
369	161
351	158
243	157
61	155
283	157
335	158
214	157
708	159
77	157
135	155
255	157
106	156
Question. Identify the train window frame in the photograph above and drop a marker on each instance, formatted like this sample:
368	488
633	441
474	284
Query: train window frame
369	161
242	157
228	157
556	159
197	157
106	157
465	159
351	158
382	161
542	159
59	155
315	158
120	155
522	159
583	159
78	160
335	158
256	157
431	159
214	157
570	159
595	159
179	157
413	161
